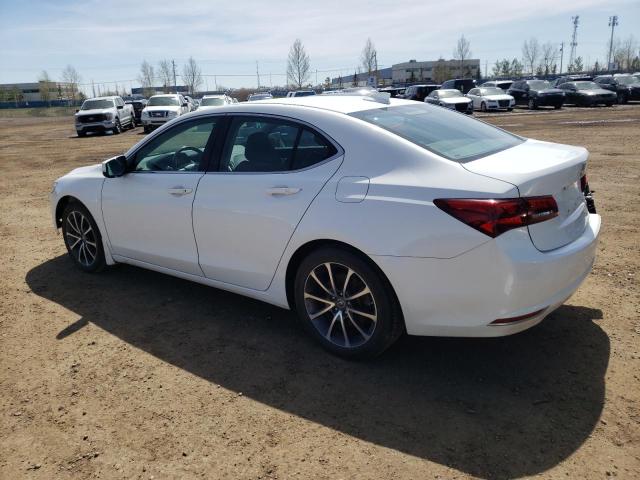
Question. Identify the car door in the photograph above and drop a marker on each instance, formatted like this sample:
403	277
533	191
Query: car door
476	99
147	212
247	209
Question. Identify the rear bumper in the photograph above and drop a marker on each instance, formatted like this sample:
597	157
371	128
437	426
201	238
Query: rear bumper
502	278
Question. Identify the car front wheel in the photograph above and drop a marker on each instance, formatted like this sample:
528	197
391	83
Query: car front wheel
82	238
532	104
346	304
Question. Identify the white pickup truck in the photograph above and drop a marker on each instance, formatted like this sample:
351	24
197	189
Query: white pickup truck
104	113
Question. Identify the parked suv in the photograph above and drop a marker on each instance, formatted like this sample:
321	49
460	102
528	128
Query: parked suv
462	84
587	94
536	93
104	113
162	108
625	86
419	92
572	78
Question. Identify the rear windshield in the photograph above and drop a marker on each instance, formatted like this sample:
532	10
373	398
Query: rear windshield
449	134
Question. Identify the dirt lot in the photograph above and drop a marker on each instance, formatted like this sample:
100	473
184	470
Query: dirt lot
133	374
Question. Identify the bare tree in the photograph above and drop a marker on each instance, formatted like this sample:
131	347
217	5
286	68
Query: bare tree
192	76
146	78
462	52
71	77
530	54
625	53
369	57
165	74
298	65
44	87
549	55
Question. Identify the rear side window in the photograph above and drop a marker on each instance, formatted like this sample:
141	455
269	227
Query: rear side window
259	144
446	133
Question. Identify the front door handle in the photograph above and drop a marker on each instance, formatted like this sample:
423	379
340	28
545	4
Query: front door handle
276	191
179	191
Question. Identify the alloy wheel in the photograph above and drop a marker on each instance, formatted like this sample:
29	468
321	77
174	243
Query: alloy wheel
81	238
340	305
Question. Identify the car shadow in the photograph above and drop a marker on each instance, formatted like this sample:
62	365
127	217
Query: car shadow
493	408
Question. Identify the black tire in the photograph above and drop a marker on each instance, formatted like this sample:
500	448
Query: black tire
609	104
557	107
147	129
367	338
532	104
81	133
509	109
621	98
483	107
84	244
117	128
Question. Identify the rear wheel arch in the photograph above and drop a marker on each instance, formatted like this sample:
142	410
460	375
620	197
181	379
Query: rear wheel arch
304	250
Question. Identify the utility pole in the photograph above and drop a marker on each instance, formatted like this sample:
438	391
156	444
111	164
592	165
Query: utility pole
93	87
175	85
258	74
613	23
574	40
561	56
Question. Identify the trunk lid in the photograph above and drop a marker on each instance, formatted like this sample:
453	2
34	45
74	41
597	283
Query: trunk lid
541	168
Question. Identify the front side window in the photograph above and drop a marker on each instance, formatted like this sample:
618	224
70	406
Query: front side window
438	130
259	144
180	149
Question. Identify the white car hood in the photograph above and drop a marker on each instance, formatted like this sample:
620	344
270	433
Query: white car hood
495	98
88	171
95	111
160	108
455	100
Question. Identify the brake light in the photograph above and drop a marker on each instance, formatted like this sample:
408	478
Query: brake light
496	216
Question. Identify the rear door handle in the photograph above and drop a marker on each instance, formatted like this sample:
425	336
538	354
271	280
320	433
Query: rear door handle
179	191
283	191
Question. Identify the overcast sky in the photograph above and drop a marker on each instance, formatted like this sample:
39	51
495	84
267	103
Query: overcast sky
106	40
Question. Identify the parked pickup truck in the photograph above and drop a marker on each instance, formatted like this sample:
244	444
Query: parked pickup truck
104	113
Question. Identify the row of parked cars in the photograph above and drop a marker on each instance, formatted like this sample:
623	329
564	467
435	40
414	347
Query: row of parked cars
465	96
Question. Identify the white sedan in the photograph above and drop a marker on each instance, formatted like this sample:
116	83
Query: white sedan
491	98
369	217
213	101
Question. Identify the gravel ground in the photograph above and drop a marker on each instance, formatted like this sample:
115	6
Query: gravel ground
133	374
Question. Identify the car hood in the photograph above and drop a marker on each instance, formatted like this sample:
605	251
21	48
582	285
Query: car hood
88	171
597	91
549	91
498	97
95	111
161	108
453	101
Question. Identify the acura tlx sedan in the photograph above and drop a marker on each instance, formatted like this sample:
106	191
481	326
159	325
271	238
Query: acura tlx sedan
368	216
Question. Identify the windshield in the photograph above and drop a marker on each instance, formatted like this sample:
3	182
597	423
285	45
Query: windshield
96	104
627	80
449	94
212	102
587	86
446	133
539	84
263	96
162	102
304	94
492	91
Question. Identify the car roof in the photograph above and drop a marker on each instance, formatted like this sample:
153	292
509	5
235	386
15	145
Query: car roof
335	103
108	97
449	90
166	95
215	96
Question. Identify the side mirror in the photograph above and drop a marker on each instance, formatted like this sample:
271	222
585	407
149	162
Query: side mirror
77	110
119	107
185	104
114	167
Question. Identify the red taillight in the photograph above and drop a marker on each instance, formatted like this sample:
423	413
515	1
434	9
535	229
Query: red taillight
495	216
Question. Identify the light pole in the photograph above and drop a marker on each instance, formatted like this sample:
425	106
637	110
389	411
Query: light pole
613	23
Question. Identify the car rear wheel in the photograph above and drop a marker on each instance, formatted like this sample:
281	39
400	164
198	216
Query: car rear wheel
622	98
82	238
557	107
346	305
81	133
532	104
